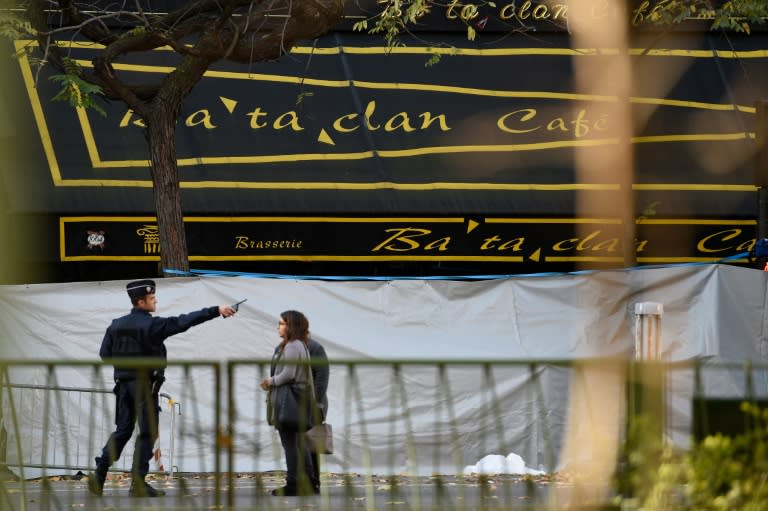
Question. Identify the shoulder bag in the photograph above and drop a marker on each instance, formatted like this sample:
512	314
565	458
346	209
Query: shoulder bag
289	406
319	436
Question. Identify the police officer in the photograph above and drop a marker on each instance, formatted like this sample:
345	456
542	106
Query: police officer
140	335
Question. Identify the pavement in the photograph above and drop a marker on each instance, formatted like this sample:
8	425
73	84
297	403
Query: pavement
342	492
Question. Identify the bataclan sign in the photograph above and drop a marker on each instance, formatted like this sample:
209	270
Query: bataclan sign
346	150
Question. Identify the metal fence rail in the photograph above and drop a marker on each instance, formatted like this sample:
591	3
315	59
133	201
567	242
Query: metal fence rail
405	431
68	415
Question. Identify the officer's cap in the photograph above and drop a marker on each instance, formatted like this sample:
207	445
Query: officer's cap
140	288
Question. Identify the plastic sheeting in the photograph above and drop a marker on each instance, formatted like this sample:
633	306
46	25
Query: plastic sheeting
416	420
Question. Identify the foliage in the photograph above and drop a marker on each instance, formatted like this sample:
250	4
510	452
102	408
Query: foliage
734	15
199	32
13	27
396	16
78	92
720	473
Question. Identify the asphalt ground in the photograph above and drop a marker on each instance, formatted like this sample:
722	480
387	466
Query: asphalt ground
341	492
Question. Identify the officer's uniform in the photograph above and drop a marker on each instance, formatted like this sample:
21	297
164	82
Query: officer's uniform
139	335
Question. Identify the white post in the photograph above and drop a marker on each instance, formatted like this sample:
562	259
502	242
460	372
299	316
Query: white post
648	330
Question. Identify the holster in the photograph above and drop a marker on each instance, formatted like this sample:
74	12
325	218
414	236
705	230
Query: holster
157	382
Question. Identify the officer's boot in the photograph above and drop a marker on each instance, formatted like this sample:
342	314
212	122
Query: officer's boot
97	478
140	488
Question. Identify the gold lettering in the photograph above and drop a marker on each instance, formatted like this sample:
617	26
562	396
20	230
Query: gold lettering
581	128
507	12
541	12
200	117
428	119
441	244
560	245
369	110
560	11
469	12
721	236
487	243
255	118
515	244
288	119
403	236
127	120
557	124
342	129
397	121
244	243
528	114
524	13
449	12
584	244
640	245
608	245
601	124
747	245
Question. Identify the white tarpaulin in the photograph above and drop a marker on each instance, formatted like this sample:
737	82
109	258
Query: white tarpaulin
417	419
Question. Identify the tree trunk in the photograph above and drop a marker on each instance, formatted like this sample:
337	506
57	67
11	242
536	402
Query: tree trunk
161	137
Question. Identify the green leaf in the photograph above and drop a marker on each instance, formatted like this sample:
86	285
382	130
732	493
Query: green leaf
78	92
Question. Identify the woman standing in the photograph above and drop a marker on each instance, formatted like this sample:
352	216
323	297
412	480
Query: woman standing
293	329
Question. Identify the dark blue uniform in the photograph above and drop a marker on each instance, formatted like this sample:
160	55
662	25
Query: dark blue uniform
140	335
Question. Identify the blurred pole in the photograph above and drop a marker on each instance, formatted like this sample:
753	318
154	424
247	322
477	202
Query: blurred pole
597	404
761	174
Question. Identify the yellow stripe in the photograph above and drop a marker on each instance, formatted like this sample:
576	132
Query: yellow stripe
37	110
502	259
398	153
698	137
612	221
584	259
694	187
387	185
496	52
329	219
671	260
324	185
692	221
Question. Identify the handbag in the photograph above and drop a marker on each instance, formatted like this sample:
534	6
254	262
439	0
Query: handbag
320	439
290	407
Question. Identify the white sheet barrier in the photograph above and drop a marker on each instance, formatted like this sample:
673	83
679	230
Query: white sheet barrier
710	312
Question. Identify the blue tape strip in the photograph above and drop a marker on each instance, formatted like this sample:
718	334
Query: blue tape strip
222	273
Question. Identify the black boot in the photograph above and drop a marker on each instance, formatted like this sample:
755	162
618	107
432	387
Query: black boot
292	491
285	491
141	488
97	478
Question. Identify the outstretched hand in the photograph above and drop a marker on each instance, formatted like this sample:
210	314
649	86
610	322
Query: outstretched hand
226	311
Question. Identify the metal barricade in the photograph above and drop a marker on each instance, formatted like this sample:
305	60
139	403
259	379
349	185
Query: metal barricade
417	434
60	421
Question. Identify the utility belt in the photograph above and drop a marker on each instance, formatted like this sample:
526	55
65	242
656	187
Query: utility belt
156	379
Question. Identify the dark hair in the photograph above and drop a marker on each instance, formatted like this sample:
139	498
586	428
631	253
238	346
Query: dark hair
296	326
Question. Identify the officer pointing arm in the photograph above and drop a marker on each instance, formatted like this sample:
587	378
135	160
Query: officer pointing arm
141	335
